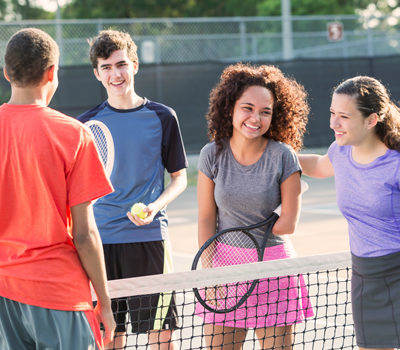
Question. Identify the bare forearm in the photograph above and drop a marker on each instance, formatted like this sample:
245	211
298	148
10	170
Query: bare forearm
316	165
90	251
206	228
174	189
285	225
309	164
89	247
207	208
291	201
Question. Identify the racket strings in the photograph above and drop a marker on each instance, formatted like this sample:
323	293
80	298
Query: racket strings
230	248
235	247
104	143
101	142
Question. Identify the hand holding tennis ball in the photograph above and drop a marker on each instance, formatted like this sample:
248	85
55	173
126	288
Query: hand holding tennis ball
137	209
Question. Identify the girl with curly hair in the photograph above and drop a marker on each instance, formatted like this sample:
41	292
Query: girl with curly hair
365	161
256	121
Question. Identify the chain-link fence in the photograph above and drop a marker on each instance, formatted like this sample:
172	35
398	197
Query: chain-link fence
228	39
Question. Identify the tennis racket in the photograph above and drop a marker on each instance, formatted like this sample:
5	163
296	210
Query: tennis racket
233	246
104	143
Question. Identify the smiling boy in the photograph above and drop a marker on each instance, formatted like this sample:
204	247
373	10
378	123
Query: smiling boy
147	141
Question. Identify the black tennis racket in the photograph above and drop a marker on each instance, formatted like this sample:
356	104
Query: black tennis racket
233	246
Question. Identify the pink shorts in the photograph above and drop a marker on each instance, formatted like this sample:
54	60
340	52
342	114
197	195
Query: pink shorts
275	302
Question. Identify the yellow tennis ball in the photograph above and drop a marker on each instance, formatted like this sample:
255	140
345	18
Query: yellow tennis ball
137	209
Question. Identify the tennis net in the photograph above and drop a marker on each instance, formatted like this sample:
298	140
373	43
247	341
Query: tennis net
318	303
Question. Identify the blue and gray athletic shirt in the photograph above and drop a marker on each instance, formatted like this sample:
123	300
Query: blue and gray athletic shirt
147	140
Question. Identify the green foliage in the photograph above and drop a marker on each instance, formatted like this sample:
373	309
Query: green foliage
3	9
124	9
205	8
26	11
312	7
158	8
22	9
218	8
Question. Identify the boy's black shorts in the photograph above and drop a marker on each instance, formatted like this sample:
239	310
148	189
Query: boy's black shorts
146	312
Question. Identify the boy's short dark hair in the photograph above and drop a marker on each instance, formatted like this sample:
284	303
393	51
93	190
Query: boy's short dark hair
29	53
108	41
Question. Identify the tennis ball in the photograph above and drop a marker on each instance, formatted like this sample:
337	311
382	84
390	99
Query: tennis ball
137	209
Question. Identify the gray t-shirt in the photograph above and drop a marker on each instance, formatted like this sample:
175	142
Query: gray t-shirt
246	195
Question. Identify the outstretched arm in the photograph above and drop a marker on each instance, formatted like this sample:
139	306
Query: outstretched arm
315	165
174	189
88	244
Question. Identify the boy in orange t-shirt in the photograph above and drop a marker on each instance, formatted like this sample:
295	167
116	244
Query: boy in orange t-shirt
50	249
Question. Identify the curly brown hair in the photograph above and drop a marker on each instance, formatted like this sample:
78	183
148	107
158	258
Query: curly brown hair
371	96
108	41
290	110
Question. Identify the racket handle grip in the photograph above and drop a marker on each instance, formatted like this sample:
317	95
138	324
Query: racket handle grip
304	186
278	210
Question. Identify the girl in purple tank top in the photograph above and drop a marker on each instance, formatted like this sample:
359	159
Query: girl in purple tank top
365	161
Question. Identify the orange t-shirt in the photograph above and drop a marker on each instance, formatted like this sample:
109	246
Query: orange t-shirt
48	164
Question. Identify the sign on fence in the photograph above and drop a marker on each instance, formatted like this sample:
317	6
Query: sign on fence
335	31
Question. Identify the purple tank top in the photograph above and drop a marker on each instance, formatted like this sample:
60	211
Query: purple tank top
368	196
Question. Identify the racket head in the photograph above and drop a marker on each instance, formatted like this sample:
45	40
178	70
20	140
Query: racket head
228	247
104	143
